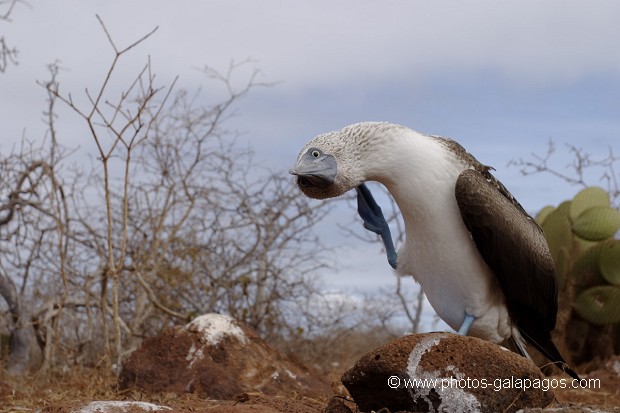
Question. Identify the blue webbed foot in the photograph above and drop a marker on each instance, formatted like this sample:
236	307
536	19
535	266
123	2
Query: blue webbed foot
374	221
467	322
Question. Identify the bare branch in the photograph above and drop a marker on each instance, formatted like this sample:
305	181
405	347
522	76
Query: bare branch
8	54
155	301
580	168
10	5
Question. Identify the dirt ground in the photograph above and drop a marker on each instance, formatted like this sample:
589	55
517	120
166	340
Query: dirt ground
70	392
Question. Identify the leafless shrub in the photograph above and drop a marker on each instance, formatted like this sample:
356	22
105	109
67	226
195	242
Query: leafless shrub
214	232
174	219
117	128
34	223
583	170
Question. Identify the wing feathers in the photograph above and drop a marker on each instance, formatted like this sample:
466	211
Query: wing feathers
513	246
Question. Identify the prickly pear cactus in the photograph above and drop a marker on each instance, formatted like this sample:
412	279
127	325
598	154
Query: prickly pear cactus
600	303
581	235
583	239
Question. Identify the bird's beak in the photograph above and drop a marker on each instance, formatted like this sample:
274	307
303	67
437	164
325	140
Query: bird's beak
315	172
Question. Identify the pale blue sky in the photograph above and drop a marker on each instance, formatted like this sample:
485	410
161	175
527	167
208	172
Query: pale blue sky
500	77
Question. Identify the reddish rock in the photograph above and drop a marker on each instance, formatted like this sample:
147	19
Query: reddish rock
216	357
445	372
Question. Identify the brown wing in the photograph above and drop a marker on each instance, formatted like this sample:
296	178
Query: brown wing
513	246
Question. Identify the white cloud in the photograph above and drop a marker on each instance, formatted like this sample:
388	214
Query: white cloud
316	42
332	42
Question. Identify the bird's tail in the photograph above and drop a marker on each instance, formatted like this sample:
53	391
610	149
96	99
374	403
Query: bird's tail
518	342
543	343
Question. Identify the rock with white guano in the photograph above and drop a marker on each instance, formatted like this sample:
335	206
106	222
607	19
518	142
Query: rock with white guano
445	372
217	357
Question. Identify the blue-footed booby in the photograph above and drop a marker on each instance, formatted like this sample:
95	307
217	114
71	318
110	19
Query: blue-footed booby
482	261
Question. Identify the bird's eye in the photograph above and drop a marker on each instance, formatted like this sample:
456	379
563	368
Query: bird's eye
303	182
316	153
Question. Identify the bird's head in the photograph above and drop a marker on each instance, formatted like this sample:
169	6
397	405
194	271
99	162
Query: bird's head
333	163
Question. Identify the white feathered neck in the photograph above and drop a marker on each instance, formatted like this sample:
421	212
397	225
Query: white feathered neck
420	172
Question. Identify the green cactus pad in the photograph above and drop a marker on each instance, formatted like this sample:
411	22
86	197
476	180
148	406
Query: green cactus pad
597	223
544	213
558	232
564	207
585	270
609	262
561	262
599	305
582	245
588	198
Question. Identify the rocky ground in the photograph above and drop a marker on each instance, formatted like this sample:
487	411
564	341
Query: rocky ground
216	365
